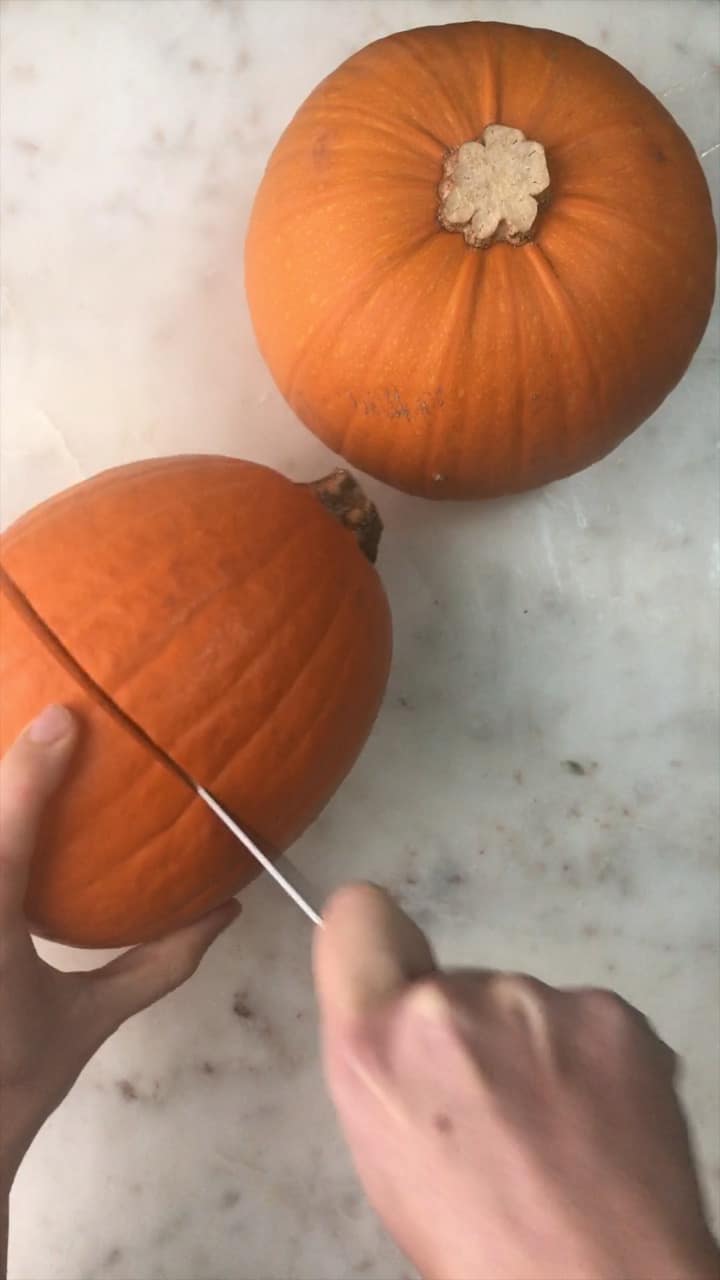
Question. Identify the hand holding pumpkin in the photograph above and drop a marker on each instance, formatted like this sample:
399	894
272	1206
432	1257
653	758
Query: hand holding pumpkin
501	1128
53	1022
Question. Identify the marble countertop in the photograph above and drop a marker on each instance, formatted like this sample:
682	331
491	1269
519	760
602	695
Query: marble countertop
541	789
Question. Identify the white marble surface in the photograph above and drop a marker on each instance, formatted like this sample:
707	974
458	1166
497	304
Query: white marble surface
574	625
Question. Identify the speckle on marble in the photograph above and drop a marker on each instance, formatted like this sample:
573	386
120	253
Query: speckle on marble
541	789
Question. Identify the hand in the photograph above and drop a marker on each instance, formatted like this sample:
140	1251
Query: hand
504	1130
52	1022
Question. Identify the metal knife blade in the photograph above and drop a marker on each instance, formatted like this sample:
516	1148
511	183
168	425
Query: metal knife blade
298	898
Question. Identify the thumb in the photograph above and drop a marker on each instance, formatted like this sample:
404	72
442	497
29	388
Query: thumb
367	952
31	770
145	974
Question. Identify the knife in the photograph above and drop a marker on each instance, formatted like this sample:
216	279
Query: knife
298	898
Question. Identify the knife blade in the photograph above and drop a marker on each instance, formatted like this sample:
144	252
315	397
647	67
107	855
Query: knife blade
290	889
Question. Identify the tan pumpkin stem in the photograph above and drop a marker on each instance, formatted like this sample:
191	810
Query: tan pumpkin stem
490	186
342	496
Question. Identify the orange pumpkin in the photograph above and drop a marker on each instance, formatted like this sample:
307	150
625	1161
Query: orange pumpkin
480	256
228	614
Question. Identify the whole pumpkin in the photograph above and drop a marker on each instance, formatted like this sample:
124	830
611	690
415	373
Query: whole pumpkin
480	256
228	614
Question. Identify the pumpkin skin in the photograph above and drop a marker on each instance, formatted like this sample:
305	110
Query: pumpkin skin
231	617
452	371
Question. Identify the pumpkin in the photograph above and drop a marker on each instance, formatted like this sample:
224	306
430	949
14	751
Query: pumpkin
480	256
201	611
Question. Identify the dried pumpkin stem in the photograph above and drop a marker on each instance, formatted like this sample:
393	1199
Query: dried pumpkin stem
342	496
490	187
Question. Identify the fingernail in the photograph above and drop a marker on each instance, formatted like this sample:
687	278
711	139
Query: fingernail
54	723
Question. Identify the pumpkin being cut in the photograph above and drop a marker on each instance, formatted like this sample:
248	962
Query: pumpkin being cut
481	255
198	612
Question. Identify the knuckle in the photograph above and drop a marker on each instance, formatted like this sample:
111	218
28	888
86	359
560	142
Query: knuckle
515	990
609	1012
180	967
175	964
432	998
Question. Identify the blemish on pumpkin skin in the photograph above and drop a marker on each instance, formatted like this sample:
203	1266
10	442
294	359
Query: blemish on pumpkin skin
321	153
397	407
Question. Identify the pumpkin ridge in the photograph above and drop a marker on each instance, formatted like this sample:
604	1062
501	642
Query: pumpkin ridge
405	43
262	652
376	124
626	127
108	480
127	677
337	316
353	419
456	113
587	339
596	204
364	118
512	285
566	306
63	655
470	278
134	855
528	123
461	113
320	710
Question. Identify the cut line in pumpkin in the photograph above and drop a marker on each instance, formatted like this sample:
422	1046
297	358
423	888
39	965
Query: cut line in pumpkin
65	658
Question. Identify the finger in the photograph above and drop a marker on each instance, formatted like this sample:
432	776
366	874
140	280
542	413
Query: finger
612	1015
367	952
31	770
138	978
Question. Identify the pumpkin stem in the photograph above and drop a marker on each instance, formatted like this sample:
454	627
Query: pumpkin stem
342	496
489	187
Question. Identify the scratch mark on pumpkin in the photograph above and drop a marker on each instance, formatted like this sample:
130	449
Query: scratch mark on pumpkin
397	407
